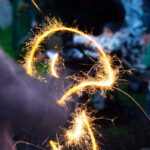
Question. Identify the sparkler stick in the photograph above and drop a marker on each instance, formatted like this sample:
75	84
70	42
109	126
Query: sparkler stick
27	143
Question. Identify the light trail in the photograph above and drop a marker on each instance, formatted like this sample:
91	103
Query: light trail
90	131
52	64
39	39
133	101
106	79
83	85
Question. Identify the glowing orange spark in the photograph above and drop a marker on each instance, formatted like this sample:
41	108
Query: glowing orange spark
37	7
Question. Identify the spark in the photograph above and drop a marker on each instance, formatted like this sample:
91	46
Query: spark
78	130
133	101
37	7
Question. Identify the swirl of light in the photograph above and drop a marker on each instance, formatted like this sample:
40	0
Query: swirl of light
109	76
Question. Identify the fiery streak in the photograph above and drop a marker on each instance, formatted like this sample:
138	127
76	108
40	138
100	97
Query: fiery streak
37	7
90	131
52	64
78	132
83	85
133	101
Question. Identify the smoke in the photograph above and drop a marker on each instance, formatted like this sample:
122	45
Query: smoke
22	97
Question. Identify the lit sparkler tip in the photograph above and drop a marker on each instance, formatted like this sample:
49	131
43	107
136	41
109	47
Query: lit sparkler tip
81	131
54	146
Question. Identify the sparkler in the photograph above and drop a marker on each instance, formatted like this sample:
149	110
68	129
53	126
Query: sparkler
80	133
105	77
